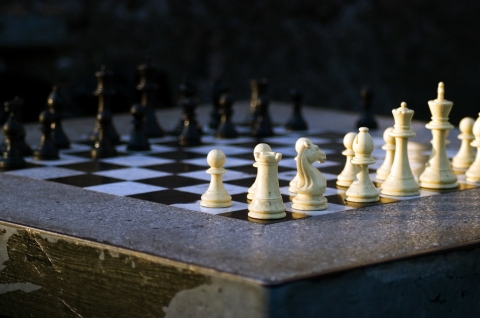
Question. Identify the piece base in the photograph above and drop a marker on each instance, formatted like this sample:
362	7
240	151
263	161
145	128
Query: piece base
438	186
210	204
265	216
354	199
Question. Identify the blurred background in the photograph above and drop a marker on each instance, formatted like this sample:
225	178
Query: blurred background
329	49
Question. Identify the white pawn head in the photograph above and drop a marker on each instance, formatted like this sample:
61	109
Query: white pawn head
216	158
262	148
363	143
389	140
348	140
466	125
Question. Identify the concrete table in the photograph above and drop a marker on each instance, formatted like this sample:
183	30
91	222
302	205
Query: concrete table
69	252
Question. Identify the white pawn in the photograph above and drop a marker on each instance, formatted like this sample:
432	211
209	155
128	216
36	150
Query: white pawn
473	173
362	188
258	148
216	196
311	184
389	147
465	156
346	177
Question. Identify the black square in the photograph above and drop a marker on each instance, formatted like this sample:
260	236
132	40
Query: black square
181	154
85	180
172	182
177	167
167	197
92	166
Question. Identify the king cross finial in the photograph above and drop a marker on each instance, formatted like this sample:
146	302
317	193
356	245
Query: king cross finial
440	91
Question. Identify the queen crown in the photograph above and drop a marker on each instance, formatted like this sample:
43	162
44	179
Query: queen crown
403	116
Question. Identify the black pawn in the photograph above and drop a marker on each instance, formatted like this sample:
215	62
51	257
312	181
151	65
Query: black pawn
218	90
366	118
190	135
104	92
148	87
46	149
15	107
103	147
263	127
138	139
56	104
186	90
11	156
296	121
226	128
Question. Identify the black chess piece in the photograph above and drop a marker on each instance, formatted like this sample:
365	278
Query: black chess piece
138	140
190	135
219	88
366	118
258	88
186	88
15	107
103	147
104	92
12	130
56	104
148	87
226	128
263	127
46	149
296	121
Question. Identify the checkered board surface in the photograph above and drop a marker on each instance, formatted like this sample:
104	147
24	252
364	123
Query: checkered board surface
176	176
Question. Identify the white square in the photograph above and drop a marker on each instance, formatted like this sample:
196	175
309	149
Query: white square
202	188
212	139
45	172
64	160
131	174
227	150
74	147
229	175
236	206
125	188
136	161
331	208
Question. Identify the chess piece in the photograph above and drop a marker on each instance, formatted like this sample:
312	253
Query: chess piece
366	118
190	135
389	147
46	149
362	188
219	89
216	196
267	201
104	92
258	148
465	156
15	107
103	147
400	180
148	88
263	127
311	184
473	172
56	104
12	130
346	177
438	173
258	88
296	121
138	140
226	128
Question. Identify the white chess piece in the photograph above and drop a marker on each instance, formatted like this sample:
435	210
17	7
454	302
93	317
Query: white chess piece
216	196
438	173
362	188
400	180
267	201
258	148
311	184
346	177
389	147
465	156
473	173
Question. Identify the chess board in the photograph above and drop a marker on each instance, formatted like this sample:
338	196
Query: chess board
175	176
